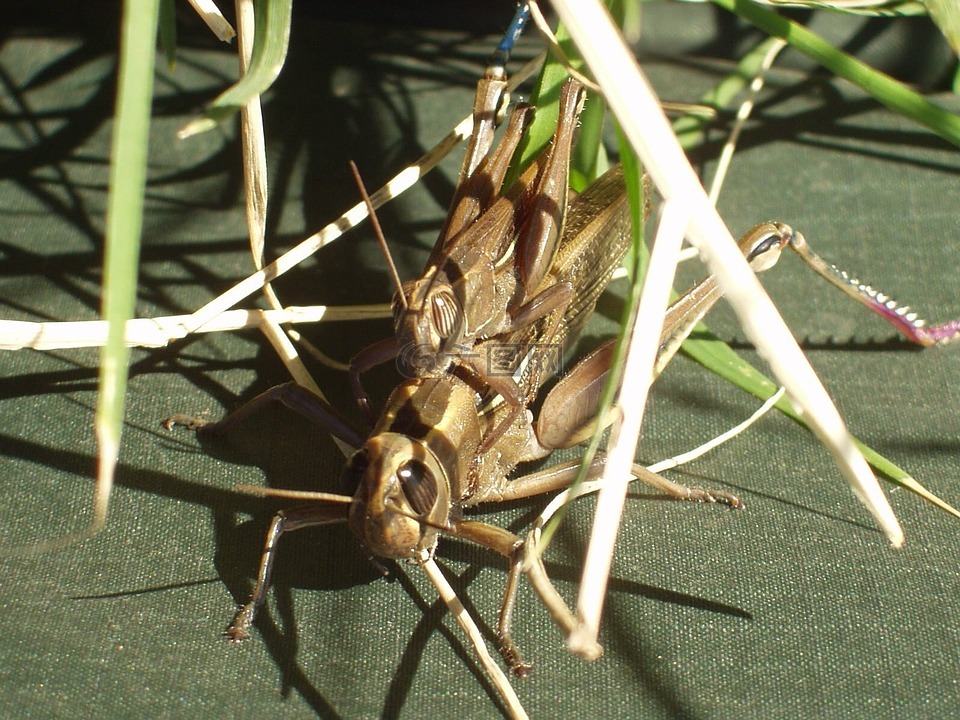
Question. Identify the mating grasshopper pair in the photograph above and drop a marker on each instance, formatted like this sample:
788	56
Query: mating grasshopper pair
519	271
443	442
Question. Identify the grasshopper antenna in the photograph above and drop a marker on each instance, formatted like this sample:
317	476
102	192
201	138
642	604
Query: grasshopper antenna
498	60
378	231
305	495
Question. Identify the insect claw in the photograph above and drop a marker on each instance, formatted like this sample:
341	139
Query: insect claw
521	670
238	630
511	656
187	421
715	496
733	501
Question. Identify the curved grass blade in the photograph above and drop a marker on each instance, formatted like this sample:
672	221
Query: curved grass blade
881	87
270	42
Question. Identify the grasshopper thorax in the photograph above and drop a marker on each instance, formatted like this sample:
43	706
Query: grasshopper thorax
402	496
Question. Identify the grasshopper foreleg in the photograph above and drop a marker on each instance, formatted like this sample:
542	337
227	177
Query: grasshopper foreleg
284	521
371	356
511	546
294	396
309	405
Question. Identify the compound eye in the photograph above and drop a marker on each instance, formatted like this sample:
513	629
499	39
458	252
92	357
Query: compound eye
765	244
418	485
353	471
445	312
769	240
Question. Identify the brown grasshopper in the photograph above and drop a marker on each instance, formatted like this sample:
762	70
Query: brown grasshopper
425	460
485	274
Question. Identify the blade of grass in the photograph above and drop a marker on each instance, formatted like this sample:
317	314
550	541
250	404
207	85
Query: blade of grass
270	42
881	87
691	129
128	170
211	15
720	358
128	162
636	261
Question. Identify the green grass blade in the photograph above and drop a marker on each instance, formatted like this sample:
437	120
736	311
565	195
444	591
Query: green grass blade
636	263
690	129
907	8
883	88
946	15
720	358
546	98
270	42
124	224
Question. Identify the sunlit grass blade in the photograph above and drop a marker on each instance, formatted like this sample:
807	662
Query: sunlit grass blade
211	15
881	87
946	15
690	129
128	170
636	262
720	358
868	8
269	52
128	163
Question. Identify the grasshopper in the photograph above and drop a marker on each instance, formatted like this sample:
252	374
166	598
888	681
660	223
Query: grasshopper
485	276
425	460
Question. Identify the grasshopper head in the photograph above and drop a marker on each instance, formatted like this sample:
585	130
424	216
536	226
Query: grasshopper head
429	328
402	496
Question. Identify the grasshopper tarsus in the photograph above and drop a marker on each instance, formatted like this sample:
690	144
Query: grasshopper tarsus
296	397
511	656
678	491
239	629
186	421
703	495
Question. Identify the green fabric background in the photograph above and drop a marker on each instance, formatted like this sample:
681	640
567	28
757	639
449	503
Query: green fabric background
794	608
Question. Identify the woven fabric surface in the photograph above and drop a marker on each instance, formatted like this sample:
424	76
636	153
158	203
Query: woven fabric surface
794	608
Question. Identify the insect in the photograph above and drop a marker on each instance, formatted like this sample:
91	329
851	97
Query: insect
410	487
424	461
485	274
